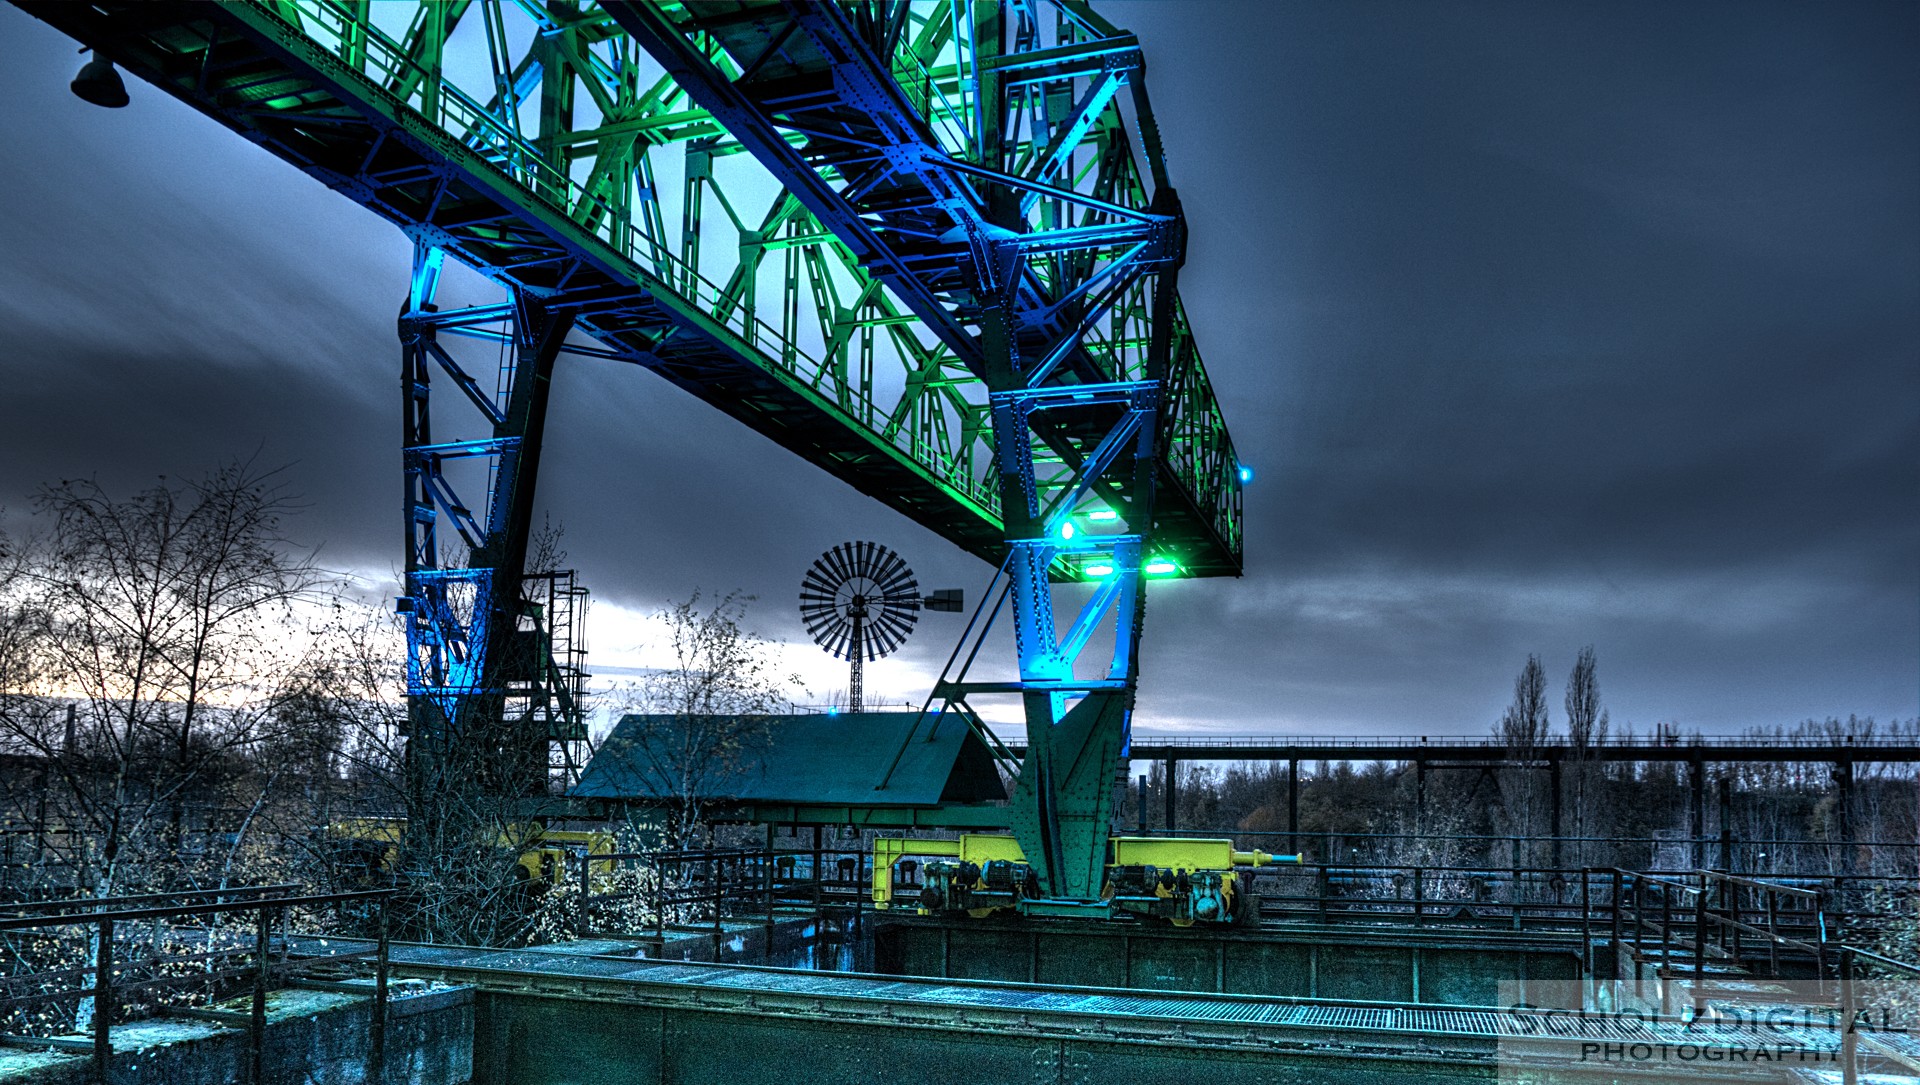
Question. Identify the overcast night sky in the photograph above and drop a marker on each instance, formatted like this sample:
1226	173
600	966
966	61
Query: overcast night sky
1542	324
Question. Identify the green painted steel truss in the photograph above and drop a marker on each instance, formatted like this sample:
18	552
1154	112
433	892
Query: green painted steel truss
543	136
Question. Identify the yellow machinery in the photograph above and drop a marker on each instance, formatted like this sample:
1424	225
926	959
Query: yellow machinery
1181	879
370	847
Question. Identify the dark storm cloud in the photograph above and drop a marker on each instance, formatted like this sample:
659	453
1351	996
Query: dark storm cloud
1541	325
1576	324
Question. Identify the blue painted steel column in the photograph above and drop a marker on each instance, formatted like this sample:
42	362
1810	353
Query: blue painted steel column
463	620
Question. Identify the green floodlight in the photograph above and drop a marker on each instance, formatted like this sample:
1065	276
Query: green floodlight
1103	515
1098	570
1161	567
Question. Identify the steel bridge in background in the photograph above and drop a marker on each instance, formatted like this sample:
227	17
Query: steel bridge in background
1413	749
1422	753
931	247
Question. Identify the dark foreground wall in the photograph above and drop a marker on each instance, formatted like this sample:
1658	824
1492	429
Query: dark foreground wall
545	1041
312	1038
1398	965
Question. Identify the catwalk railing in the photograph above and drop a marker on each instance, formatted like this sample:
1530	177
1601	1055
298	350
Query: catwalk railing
94	961
702	889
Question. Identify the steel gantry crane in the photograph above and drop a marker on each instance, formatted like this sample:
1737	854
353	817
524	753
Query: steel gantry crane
932	247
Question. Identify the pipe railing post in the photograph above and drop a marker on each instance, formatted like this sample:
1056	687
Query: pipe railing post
383	952
1586	922
816	871
257	1019
1700	948
1730	897
1513	880
1618	901
659	902
1849	1039
1773	934
713	899
583	922
1820	943
1663	970
103	1002
766	879
1639	940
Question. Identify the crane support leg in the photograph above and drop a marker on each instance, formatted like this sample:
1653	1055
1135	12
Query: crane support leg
1063	801
463	594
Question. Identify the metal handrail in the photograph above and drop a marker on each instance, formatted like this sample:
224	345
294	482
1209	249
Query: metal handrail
266	909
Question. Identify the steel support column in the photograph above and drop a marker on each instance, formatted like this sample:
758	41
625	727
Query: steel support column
1293	805
1843	812
1553	806
1172	794
464	628
1697	810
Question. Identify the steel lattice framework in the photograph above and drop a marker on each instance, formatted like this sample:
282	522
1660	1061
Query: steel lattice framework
931	247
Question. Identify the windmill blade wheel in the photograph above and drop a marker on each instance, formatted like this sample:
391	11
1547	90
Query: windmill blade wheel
859	601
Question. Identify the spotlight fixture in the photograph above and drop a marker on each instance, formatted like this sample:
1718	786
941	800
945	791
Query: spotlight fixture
101	84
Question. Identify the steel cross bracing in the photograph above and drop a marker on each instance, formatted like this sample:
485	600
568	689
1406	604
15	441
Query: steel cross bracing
943	273
976	158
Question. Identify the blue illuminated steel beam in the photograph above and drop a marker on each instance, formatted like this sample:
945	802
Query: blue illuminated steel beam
999	251
465	635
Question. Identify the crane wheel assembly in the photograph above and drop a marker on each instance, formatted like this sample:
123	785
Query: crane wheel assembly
1184	880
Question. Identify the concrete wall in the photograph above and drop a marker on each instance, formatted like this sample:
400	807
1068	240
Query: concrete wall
312	1038
1398	966
541	1041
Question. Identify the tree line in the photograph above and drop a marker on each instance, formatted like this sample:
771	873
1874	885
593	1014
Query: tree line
1760	817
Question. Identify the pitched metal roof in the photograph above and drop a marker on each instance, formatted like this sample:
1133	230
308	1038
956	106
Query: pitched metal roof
801	759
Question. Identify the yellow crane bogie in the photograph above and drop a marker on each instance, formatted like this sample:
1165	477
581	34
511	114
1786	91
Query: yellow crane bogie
1181	879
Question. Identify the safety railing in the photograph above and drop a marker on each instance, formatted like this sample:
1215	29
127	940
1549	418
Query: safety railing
1685	925
1590	900
1861	1036
703	889
1526	898
156	951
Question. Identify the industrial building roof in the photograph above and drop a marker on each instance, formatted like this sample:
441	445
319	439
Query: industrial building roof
838	760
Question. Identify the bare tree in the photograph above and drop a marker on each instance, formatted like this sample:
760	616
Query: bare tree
153	633
1522	728
1587	724
707	712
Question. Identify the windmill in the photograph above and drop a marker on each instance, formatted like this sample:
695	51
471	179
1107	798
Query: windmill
860	601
